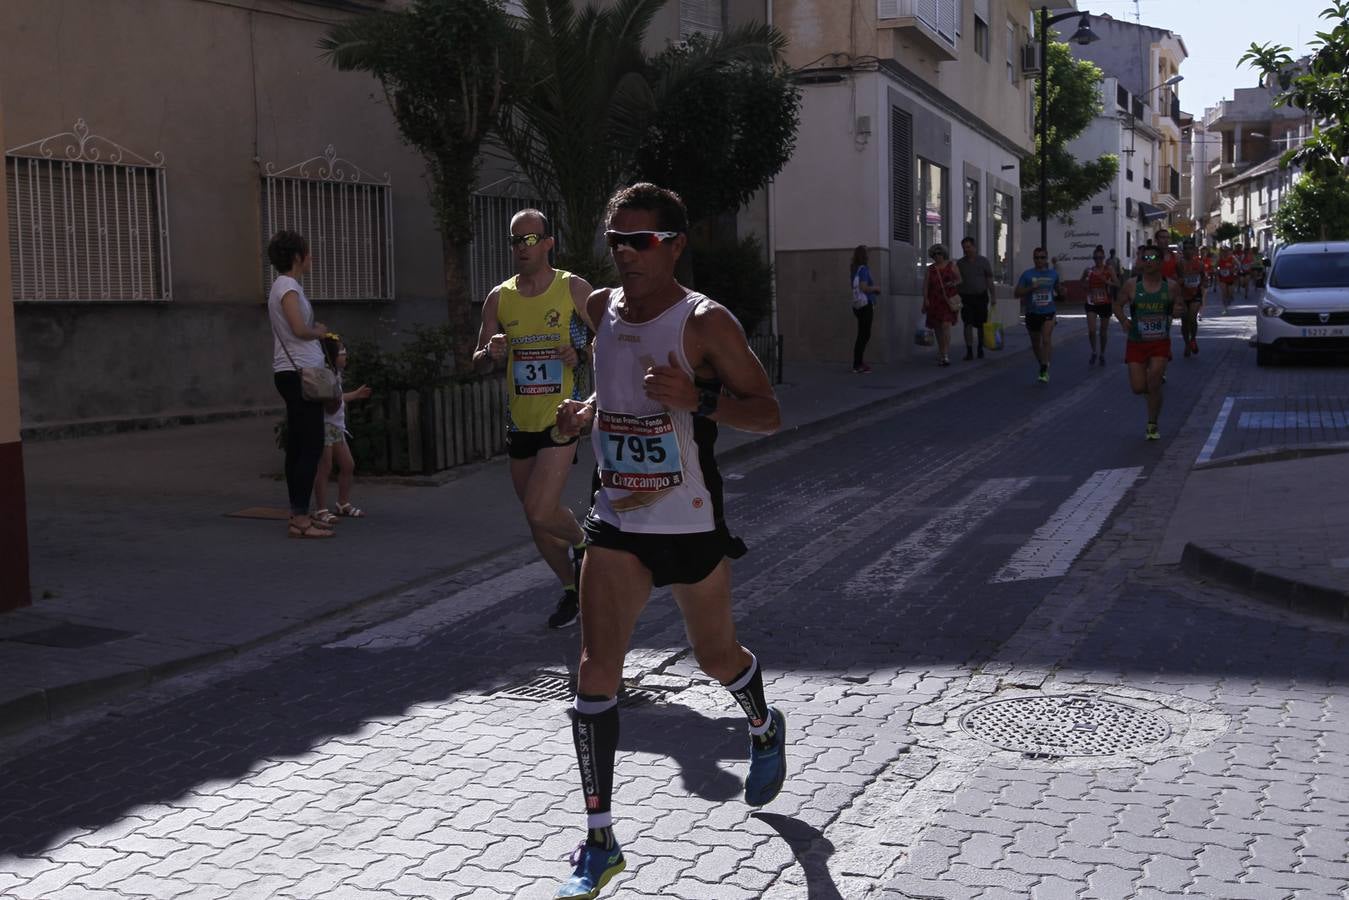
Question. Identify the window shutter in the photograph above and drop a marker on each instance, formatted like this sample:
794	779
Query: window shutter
887	9
83	230
959	14
901	175
700	17
981	11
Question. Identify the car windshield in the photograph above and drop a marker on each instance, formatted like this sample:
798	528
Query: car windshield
1311	270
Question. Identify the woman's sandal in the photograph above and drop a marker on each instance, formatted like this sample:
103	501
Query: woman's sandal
324	518
312	530
349	511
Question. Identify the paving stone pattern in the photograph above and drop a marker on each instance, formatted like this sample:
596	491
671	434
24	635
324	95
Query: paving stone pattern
383	765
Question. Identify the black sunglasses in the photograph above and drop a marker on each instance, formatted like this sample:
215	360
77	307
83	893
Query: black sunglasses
529	240
638	240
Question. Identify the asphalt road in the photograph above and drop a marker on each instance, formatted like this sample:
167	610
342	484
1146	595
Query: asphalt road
991	692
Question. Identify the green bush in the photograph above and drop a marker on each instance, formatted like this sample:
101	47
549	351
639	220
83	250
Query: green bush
735	274
1316	209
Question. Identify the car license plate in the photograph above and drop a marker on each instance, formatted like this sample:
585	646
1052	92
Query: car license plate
1324	332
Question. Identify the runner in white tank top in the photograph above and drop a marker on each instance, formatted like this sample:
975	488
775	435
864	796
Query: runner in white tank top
669	365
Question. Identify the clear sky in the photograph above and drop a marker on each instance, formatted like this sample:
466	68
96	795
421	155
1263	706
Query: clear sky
1216	33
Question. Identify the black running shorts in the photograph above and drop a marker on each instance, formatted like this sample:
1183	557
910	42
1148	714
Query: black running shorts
670	558
1035	322
527	444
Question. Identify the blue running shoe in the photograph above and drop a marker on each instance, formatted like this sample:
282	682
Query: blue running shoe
595	866
767	765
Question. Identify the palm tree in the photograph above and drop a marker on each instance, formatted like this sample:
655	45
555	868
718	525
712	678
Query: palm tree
442	64
585	96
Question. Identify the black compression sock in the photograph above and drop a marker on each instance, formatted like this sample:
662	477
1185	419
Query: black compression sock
747	689
594	731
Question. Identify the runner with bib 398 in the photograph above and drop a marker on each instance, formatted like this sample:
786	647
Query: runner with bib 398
1151	301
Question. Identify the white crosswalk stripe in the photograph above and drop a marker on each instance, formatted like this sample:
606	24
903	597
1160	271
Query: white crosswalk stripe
1057	543
923	547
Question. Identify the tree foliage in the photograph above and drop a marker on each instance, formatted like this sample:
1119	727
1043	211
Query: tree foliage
1321	90
588	99
1074	101
722	125
581	92
1227	231
1316	209
442	64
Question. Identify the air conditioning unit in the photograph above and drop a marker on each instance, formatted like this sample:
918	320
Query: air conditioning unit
1030	59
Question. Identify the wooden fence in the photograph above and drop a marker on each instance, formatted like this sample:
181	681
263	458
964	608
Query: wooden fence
409	432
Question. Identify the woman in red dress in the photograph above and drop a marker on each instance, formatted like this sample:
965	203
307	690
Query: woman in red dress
941	300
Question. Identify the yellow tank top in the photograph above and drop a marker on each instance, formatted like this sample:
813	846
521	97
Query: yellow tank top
536	330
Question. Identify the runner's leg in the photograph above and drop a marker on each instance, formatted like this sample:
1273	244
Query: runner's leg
708	620
536	480
1156	375
614	589
1091	333
1047	342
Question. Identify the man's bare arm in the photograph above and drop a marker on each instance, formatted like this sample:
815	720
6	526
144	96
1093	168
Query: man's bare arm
484	357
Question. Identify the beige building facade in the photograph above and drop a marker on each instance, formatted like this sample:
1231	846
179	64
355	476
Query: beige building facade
914	122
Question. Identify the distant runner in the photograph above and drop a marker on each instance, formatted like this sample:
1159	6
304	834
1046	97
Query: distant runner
1039	286
1193	283
1150	301
1101	286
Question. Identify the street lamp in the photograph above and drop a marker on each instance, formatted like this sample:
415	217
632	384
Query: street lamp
1082	37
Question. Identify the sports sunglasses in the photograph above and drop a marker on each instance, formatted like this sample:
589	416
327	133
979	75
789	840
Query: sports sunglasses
637	240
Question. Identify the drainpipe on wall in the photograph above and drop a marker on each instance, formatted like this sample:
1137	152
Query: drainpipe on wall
14	587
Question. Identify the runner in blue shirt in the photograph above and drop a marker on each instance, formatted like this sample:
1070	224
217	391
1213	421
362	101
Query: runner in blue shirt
1040	285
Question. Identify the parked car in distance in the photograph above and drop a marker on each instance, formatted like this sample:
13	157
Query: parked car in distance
1305	308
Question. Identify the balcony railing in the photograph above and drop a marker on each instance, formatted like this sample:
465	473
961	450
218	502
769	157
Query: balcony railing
1172	182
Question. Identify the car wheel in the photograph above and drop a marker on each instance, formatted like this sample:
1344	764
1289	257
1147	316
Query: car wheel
1264	356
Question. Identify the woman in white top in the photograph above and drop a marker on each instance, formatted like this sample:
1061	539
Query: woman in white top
295	345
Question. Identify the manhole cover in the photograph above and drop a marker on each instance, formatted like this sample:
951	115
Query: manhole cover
552	687
1073	725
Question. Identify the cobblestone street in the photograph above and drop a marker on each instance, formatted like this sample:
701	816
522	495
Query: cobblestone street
979	542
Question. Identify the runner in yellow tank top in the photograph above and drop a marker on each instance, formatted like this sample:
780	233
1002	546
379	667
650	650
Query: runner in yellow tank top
535	322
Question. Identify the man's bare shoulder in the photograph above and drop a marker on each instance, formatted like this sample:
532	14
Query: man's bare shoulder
712	318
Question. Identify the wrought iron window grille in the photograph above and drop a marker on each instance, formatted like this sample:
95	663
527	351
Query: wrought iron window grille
88	220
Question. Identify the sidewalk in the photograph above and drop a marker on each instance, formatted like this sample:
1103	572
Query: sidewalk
139	571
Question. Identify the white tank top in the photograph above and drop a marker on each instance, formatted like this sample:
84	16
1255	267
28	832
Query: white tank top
657	471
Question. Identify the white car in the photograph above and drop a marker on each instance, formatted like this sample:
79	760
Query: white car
1305	308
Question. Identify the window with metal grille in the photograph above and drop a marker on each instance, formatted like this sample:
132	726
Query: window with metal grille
490	254
87	220
901	175
345	213
701	17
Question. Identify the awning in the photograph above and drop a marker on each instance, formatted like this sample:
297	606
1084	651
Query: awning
1149	213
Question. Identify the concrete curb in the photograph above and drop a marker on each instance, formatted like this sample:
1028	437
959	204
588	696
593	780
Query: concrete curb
1279	590
1274	454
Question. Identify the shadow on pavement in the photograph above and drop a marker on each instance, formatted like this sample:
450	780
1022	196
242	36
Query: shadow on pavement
811	849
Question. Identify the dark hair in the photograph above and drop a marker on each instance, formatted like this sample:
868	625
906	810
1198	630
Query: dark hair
332	345
969	240
666	204
532	213
859	259
285	248
1099	247
1039	250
